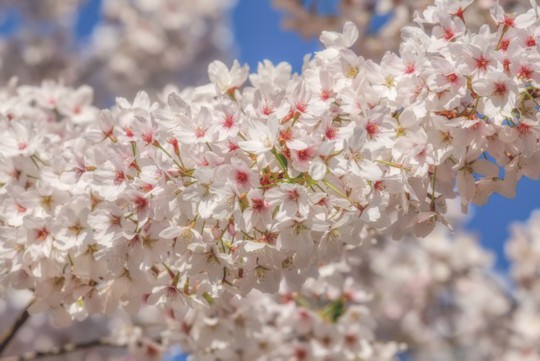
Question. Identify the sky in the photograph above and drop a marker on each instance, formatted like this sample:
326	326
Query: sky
259	36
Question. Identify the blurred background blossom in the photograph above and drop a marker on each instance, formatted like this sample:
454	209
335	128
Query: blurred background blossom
119	47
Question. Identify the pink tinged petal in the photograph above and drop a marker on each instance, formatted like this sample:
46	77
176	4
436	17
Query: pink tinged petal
483	87
371	171
317	169
465	184
252	146
350	33
170	233
525	20
371	214
176	102
485	168
253	247
425	223
296	144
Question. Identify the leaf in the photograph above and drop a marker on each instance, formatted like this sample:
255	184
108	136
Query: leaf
282	161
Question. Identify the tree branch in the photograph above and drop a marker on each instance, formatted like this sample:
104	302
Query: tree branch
12	330
68	348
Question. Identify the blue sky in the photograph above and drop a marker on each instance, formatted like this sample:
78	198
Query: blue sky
259	36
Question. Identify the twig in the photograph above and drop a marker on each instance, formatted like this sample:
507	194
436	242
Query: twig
68	348
12	330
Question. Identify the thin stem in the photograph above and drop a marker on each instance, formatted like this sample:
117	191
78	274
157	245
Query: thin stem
68	348
12	330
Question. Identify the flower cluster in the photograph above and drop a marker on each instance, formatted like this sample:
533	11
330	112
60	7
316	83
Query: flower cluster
380	22
329	319
436	297
156	40
229	188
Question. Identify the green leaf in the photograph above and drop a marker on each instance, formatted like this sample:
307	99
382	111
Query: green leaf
281	160
334	311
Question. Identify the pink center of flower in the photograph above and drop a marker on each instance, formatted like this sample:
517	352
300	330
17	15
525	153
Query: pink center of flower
200	132
524	128
15	174
20	209
351	339
22	146
330	133
481	62
115	220
293	195
448	34
504	44
304	315
499	89
148	137
452	78
258	205
119	177
379	185
325	94
323	202
410	68
300	353
266	110
372	128
141	203
459	13
232	147
304	154
531	41
171	293
525	72
241	177
228	121
41	233
147	187
508	20
300	106
506	64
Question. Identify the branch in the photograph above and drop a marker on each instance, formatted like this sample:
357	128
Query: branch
65	349
12	330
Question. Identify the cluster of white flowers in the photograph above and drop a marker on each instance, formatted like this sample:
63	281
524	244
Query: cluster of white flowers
239	213
380	22
134	43
329	319
147	44
436	298
230	187
432	298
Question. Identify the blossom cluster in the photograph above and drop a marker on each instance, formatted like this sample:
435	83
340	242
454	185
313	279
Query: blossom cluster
431	298
134	43
435	298
380	22
329	319
231	187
